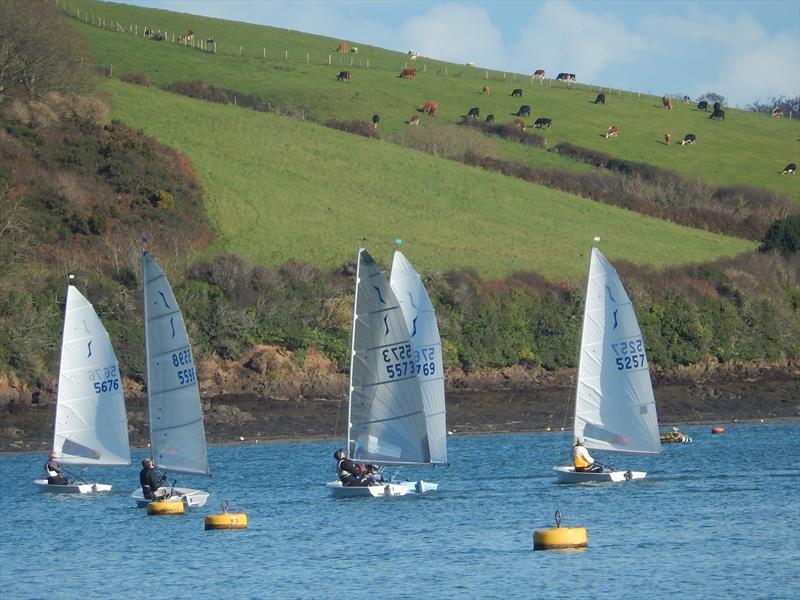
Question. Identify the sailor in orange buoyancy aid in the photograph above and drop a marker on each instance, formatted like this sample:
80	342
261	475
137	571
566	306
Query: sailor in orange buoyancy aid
351	473
55	475
582	460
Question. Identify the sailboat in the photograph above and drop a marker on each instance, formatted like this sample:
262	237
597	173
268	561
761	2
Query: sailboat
387	424
177	433
91	426
615	409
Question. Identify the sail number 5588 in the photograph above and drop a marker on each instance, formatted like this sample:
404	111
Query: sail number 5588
629	354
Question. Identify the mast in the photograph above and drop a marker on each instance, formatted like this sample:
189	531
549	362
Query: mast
147	347
353	349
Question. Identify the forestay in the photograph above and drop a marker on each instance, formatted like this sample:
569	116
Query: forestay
387	419
421	323
615	408
177	434
91	425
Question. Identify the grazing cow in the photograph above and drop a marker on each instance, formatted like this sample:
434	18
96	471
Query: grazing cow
524	110
343	76
211	42
612	132
519	124
413	55
689	139
470	64
354	50
414	120
667	102
538	74
543	122
485	89
341	47
686	100
668	138
430	107
568	77
790	169
490	119
517	92
601	99
375	120
777	112
717	106
474	113
702	105
408	73
718	114
187	38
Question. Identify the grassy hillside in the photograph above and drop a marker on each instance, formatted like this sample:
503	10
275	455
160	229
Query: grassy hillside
746	149
280	189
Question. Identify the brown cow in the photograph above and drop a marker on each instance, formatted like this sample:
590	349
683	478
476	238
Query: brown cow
777	112
668	138
341	47
188	38
408	72
519	124
343	76
430	107
414	120
486	89
612	132
538	74
667	102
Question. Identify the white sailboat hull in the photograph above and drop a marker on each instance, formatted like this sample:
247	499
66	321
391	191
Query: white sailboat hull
570	475
72	488
384	490
191	498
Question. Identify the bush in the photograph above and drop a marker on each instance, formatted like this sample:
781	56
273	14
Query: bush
201	90
357	127
450	141
783	236
136	79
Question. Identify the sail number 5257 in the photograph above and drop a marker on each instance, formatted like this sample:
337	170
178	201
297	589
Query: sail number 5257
629	354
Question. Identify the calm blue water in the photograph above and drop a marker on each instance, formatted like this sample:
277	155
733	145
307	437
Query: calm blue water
714	519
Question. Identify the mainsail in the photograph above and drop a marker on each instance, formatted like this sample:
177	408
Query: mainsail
615	408
421	322
91	426
387	422
177	434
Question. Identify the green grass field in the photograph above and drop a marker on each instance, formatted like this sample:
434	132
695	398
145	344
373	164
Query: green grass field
278	188
745	149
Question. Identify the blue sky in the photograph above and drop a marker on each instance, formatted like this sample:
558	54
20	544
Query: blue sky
743	50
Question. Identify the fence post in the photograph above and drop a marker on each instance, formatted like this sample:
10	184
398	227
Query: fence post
351	60
307	58
240	50
287	55
329	59
445	70
265	52
368	63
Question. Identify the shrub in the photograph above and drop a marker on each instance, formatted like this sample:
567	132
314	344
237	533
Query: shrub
201	90
783	236
136	79
357	127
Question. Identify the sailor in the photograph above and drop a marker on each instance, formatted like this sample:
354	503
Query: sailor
150	479
55	474
582	460
352	473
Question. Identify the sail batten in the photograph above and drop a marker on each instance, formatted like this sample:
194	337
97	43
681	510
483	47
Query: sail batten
91	425
614	406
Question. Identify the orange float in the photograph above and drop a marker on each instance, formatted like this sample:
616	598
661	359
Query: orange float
717	429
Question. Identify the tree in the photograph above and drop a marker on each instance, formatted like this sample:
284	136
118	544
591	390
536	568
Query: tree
789	105
783	236
713	97
39	51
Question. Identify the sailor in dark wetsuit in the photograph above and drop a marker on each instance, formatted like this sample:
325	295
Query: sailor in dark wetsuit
352	473
55	475
150	479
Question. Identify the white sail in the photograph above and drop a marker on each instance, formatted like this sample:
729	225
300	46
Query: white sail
177	433
615	408
387	419
91	426
421	322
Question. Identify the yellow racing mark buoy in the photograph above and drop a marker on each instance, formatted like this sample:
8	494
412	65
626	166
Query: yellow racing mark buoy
165	507
226	520
560	537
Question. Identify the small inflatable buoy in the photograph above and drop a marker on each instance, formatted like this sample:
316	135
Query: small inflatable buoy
560	537
226	520
717	430
165	507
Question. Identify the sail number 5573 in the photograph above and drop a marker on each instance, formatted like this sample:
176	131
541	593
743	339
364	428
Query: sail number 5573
629	354
402	361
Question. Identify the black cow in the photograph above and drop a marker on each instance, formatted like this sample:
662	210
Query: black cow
474	113
524	110
717	106
343	76
718	114
543	122
689	138
375	120
702	105
566	77
517	92
790	169
601	99
490	119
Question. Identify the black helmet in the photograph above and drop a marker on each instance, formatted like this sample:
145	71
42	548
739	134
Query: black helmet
339	453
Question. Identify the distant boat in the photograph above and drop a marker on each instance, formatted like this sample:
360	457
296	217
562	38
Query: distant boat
91	426
387	423
177	432
615	408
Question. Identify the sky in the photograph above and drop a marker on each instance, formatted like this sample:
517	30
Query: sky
746	51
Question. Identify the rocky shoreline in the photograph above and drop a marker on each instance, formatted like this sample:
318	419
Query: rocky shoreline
510	400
